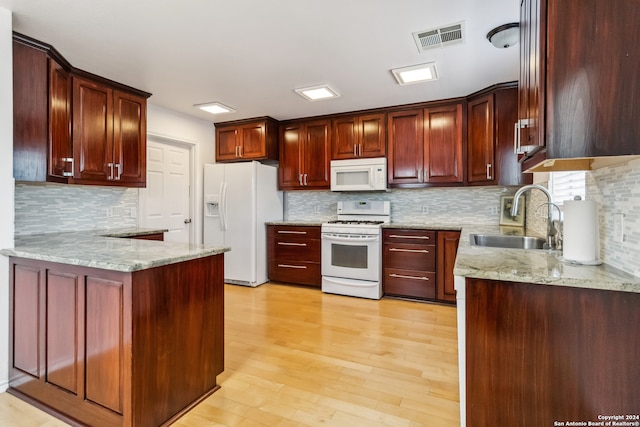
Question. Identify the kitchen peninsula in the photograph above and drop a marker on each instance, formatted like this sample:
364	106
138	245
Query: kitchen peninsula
541	340
115	331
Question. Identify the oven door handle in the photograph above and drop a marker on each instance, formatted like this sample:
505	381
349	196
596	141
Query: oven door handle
350	239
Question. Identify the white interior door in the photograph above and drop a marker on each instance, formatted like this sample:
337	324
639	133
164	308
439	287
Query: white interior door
166	202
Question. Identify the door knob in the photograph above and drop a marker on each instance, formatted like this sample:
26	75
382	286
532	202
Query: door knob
187	221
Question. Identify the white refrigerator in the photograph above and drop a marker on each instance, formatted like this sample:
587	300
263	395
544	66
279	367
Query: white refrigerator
238	199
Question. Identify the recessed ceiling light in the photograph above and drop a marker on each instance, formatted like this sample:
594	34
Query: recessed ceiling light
215	108
316	93
416	73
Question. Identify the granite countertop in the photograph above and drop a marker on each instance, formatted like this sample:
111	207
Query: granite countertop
542	267
296	223
108	249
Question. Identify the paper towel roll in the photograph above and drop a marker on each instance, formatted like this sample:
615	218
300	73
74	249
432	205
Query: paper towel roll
581	238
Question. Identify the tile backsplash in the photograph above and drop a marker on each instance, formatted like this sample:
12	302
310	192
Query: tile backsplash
50	208
475	205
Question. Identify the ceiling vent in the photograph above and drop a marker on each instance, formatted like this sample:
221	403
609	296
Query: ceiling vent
439	37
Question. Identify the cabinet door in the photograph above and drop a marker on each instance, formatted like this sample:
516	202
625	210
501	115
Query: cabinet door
316	154
406	147
103	342
345	138
372	130
447	250
290	167
481	140
29	113
92	130
227	143
359	136
253	141
27	320
60	147
129	138
443	144
64	340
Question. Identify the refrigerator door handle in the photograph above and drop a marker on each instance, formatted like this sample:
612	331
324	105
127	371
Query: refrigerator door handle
223	206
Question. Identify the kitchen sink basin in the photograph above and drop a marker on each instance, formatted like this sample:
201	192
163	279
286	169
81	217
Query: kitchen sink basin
507	241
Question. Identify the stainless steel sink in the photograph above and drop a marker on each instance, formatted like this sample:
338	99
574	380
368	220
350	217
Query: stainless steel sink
507	241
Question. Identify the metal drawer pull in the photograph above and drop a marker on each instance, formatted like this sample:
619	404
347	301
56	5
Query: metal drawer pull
402	276
423	251
400	236
68	160
291	232
291	244
292	266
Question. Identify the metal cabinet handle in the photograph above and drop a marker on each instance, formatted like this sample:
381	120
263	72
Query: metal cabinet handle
401	236
402	276
300	179
305	179
292	266
110	166
291	244
68	160
291	232
118	167
241	150
489	171
360	148
355	150
422	251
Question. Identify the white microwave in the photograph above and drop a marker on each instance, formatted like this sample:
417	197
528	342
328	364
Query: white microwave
359	174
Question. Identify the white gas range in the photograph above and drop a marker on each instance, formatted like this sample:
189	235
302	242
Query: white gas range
352	249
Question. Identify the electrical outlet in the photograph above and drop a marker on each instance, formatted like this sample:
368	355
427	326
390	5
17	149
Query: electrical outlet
493	210
109	212
425	210
618	227
133	212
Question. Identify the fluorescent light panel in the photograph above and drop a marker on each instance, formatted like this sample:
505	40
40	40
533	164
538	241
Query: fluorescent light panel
416	73
215	108
316	93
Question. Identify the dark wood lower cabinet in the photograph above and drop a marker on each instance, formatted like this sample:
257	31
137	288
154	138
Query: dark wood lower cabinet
542	355
105	348
293	254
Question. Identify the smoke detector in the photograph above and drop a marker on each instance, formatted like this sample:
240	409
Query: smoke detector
439	37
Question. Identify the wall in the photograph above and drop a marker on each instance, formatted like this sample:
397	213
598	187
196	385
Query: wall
468	205
200	133
6	186
617	190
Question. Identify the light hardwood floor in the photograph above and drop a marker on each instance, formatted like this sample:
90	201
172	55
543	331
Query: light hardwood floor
297	357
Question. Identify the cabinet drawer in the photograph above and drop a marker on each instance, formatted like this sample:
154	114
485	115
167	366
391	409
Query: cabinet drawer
409	257
296	249
304	273
401	235
294	232
409	283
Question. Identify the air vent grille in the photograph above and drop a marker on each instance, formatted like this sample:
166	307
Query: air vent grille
439	37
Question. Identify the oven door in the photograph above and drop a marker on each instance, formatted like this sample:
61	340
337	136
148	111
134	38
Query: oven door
351	256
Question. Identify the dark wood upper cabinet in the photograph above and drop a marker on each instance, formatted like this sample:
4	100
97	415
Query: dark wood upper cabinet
583	75
71	126
245	140
443	144
305	155
359	136
491	156
481	140
109	135
426	146
61	155
406	146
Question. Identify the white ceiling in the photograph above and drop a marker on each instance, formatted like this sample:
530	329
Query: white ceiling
252	54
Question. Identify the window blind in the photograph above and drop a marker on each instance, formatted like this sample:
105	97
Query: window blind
566	185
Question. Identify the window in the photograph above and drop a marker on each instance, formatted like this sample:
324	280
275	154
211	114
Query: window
566	185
